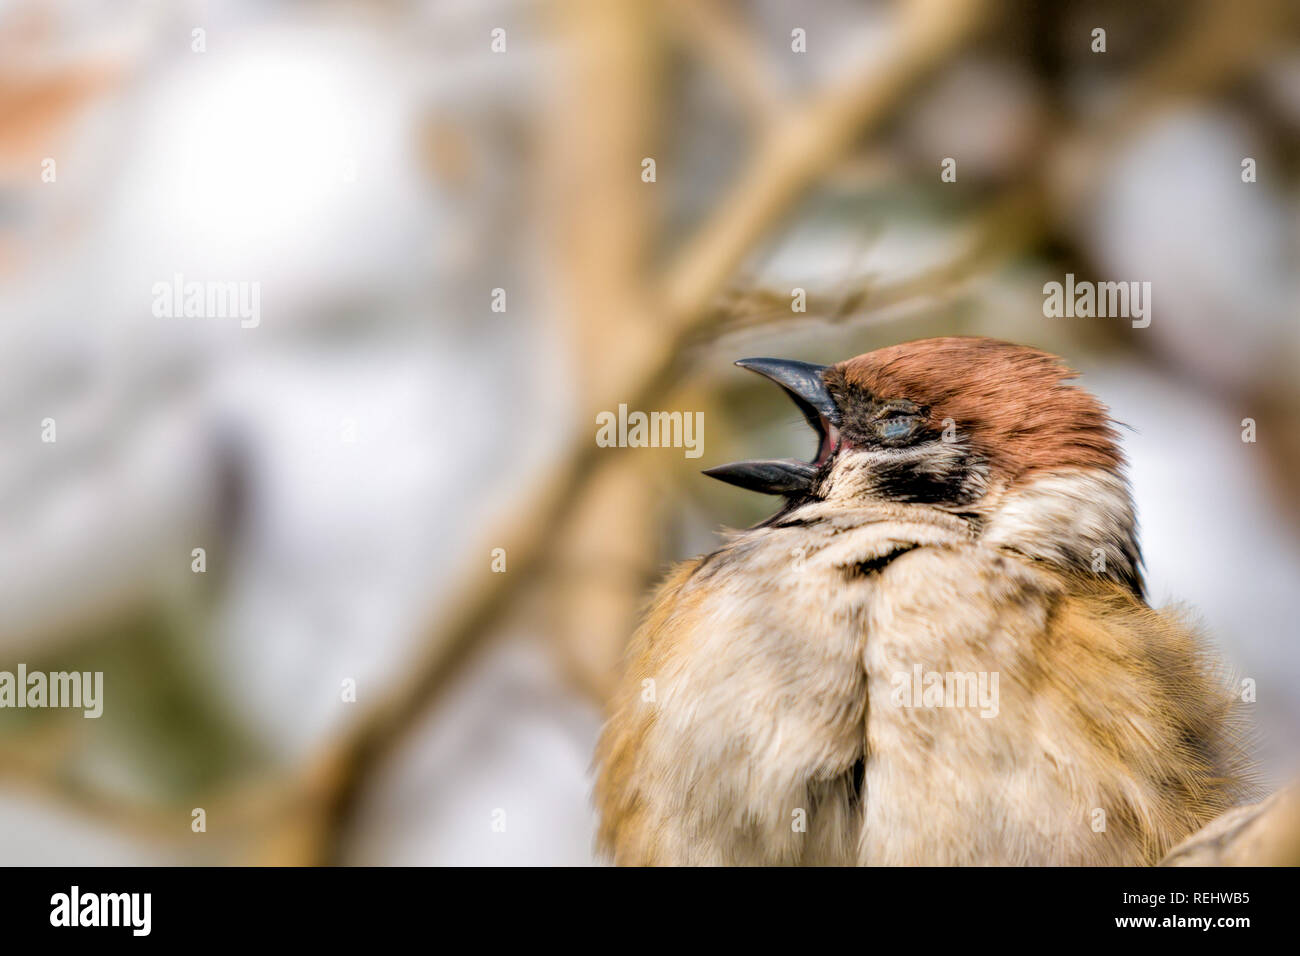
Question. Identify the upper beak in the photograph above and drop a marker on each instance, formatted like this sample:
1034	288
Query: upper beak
802	381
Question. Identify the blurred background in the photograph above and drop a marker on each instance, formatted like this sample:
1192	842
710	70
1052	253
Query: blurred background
419	568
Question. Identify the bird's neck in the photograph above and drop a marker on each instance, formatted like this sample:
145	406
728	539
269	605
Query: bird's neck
1080	520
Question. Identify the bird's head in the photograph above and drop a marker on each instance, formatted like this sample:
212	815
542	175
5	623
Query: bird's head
987	429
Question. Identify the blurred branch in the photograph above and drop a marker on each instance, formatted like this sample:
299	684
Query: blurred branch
35	765
799	148
602	121
717	36
1001	230
800	145
1262	834
1221	40
242	818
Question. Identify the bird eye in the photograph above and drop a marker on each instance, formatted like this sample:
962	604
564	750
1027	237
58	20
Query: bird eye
897	424
896	427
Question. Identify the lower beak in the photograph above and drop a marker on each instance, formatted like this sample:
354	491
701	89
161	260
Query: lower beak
802	381
778	476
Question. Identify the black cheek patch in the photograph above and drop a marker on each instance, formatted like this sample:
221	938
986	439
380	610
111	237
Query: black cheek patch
877	564
921	481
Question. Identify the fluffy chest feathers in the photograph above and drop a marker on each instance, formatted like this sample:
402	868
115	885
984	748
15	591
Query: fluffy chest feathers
768	716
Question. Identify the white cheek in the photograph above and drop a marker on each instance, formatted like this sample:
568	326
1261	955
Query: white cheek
852	475
1066	517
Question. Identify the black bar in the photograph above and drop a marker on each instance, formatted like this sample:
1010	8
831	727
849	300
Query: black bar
870	907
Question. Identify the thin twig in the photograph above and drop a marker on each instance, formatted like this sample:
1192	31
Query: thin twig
1007	226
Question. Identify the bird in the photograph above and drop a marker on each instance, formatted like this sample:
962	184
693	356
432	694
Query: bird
938	651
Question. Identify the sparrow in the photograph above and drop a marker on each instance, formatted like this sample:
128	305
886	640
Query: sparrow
938	651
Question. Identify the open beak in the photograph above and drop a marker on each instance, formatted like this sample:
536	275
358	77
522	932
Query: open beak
802	381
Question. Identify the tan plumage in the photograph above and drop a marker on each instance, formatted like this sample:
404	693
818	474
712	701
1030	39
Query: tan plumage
763	715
